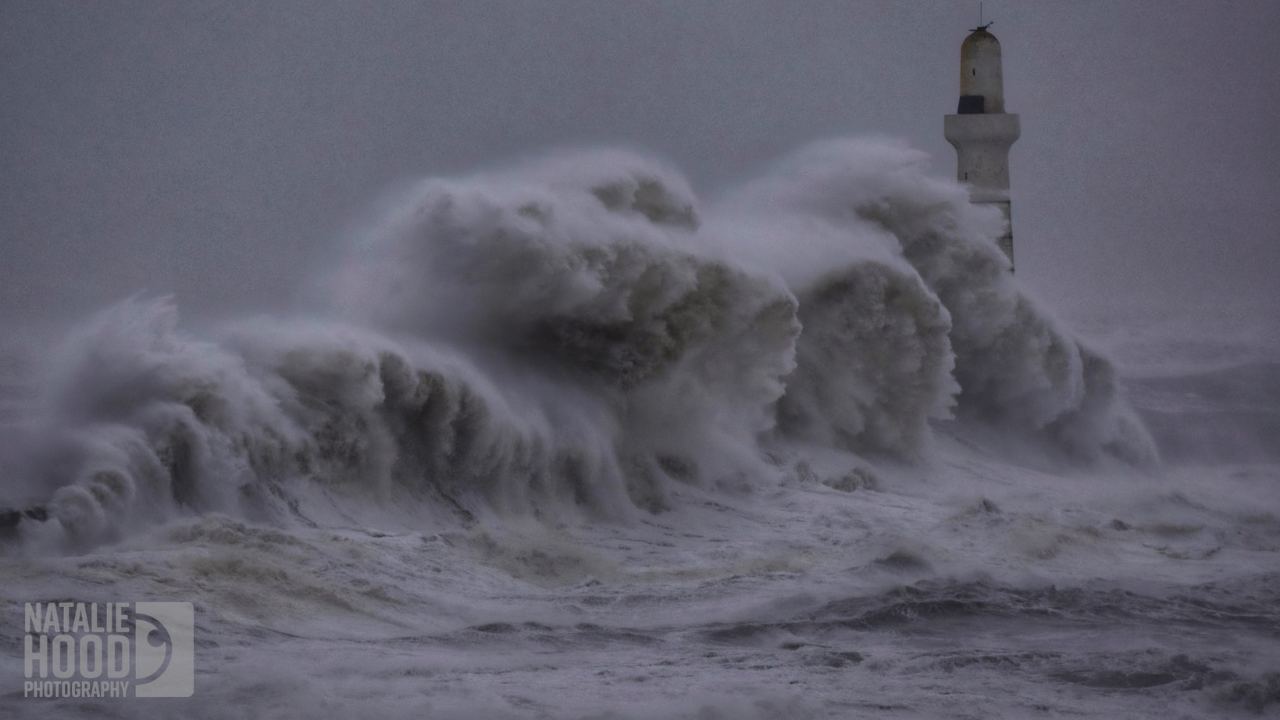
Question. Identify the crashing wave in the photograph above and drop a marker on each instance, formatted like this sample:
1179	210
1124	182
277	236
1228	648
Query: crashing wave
580	332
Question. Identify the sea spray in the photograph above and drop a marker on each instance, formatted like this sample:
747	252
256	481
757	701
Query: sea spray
1014	364
574	336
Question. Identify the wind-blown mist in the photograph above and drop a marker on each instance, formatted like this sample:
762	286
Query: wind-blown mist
579	334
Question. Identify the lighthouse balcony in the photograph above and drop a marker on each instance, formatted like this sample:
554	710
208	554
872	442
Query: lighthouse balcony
981	128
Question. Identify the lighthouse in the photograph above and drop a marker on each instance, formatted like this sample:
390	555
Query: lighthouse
981	131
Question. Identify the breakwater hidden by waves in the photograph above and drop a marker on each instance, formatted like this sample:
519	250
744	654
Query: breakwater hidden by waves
577	334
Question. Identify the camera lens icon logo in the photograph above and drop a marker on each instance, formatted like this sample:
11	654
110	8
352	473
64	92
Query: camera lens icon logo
164	649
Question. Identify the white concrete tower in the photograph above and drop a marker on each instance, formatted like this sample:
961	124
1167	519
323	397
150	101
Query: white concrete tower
981	130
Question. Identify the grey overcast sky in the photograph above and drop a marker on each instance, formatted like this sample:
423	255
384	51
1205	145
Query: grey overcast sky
215	150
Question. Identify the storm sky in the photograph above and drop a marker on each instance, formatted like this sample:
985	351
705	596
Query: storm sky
218	151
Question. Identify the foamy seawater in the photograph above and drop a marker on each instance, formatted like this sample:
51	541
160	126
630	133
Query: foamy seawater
569	442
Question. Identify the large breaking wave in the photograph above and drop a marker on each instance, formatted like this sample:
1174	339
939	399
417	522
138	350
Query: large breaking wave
576	335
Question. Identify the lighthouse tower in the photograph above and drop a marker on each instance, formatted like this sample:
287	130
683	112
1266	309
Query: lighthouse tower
981	130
